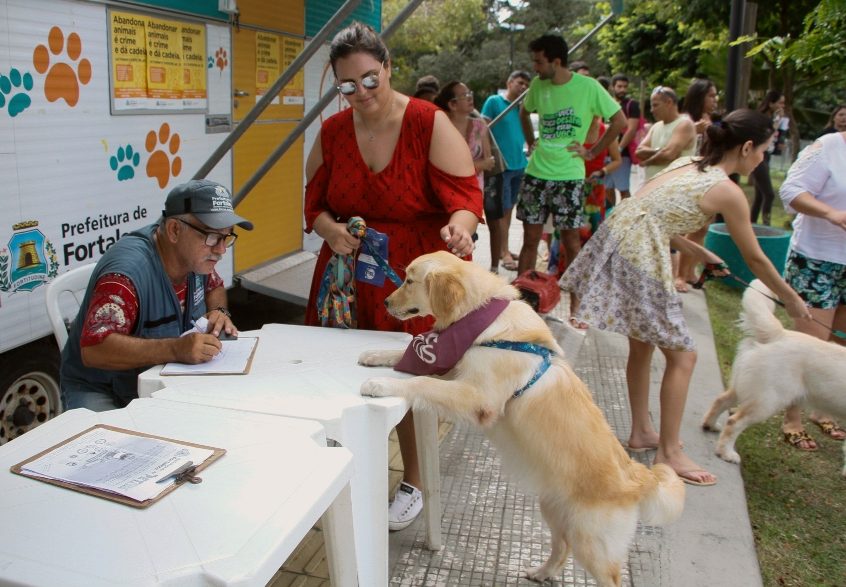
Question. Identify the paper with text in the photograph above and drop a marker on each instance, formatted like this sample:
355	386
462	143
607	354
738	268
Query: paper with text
233	358
117	462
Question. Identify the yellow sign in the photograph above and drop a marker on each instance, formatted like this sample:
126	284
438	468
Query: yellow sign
157	64
164	63
267	63
129	59
193	65
294	92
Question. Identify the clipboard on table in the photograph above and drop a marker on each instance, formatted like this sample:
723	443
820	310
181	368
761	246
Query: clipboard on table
235	358
189	474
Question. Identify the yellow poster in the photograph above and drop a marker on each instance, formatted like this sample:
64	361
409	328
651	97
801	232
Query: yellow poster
293	93
194	93
129	60
267	63
164	63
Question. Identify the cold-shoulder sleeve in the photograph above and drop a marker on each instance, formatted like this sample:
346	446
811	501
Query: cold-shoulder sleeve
456	193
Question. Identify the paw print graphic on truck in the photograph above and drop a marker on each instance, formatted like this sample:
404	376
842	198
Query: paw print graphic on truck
62	80
160	165
16	84
124	162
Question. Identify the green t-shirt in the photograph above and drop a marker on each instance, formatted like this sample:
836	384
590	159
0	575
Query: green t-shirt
565	113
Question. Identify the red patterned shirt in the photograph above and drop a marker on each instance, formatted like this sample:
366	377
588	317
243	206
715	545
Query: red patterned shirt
114	306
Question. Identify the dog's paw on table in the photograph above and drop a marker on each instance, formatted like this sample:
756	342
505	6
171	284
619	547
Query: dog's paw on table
378	358
377	387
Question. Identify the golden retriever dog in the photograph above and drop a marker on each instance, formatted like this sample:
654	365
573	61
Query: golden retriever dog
775	368
553	436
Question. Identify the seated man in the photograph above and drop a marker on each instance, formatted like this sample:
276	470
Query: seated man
149	288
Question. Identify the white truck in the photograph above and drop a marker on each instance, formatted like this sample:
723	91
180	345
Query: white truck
104	107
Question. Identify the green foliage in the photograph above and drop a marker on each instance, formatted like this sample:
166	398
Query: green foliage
438	27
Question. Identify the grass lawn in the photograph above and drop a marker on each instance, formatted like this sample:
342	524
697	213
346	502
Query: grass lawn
796	499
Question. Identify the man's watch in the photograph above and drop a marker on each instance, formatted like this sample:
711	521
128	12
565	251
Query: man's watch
224	311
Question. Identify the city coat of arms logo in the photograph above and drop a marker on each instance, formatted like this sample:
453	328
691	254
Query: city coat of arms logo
29	260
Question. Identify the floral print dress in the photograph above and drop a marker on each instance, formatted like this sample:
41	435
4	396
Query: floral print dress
623	275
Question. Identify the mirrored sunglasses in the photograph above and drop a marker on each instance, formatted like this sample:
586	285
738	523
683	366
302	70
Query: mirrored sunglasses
368	82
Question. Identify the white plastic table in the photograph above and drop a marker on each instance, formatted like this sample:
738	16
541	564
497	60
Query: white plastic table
237	527
313	373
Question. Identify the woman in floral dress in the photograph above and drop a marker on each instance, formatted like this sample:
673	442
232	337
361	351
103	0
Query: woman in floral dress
624	276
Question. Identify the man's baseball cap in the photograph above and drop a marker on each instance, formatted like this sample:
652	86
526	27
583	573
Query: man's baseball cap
209	201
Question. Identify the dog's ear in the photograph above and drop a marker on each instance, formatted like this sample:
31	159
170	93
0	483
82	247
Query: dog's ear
445	292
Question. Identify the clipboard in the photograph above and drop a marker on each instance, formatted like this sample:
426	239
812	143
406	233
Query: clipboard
18	468
211	368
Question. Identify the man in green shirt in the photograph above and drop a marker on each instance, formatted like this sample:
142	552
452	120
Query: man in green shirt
566	103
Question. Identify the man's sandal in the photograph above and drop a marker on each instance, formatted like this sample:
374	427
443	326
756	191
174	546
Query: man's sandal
831	429
795	439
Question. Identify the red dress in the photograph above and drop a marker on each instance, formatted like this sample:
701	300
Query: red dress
410	200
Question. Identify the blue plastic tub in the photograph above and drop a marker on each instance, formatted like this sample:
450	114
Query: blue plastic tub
775	243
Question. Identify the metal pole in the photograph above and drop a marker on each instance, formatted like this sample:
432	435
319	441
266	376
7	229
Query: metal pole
581	42
287	75
312	114
735	55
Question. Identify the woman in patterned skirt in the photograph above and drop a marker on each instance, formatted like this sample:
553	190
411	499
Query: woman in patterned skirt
624	276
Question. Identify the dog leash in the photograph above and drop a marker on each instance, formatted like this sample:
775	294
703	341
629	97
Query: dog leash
711	268
525	347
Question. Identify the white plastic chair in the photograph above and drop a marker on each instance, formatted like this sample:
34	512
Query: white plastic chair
73	282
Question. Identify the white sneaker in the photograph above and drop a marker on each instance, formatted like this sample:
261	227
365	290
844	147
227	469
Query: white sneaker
407	505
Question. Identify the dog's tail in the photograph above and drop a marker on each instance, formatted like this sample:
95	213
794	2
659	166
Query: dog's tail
665	503
757	319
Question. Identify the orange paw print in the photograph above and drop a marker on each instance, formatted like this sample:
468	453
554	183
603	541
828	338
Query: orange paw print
220	58
160	165
62	81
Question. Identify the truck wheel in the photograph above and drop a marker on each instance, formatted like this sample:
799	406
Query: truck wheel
29	389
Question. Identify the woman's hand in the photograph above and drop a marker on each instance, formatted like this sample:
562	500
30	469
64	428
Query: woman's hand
340	240
458	240
796	307
487	163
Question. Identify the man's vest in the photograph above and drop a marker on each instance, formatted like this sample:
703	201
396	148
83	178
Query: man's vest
159	313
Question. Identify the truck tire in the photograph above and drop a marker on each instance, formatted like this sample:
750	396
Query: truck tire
29	389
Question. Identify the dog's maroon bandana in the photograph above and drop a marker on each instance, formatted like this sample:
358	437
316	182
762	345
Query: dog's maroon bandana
435	353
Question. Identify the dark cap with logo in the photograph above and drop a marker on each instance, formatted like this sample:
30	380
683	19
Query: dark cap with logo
209	201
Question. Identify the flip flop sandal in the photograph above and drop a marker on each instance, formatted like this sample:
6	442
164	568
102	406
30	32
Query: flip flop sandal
831	429
795	439
510	265
687	477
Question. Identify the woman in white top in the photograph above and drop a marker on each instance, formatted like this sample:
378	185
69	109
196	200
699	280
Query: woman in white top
816	267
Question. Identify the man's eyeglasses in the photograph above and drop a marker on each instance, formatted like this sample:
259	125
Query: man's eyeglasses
464	96
213	238
368	82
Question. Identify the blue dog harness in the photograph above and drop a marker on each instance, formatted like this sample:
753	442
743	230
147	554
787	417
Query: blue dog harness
525	347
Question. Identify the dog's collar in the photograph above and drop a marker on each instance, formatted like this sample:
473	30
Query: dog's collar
525	347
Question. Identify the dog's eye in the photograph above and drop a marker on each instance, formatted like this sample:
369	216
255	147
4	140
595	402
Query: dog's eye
408	281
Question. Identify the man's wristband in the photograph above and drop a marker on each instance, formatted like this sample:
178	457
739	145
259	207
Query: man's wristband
224	311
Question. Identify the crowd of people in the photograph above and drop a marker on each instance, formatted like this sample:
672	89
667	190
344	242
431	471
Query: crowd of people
414	169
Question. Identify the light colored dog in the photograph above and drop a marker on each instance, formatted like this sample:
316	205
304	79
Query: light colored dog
553	436
775	368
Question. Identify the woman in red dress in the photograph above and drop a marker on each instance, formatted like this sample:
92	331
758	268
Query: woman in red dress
400	164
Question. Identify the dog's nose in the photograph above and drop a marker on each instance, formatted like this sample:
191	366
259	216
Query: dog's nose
386	302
